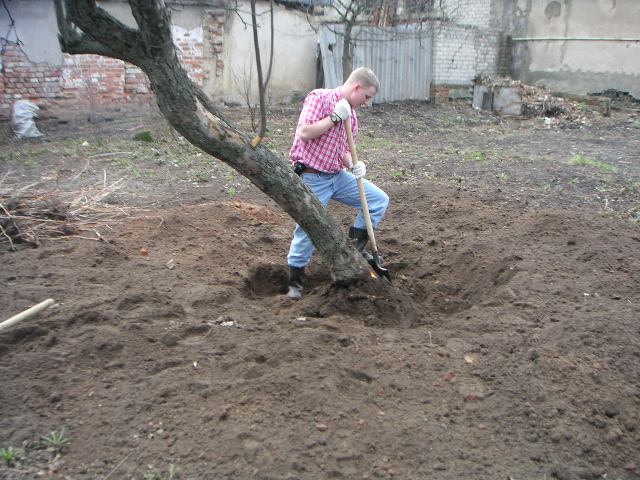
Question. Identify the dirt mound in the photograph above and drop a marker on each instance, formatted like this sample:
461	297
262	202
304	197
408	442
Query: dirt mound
507	347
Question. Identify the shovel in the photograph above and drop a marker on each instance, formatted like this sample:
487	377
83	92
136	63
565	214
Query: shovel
375	262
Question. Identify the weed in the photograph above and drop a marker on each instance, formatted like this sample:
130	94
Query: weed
172	474
503	177
123	162
603	188
10	455
136	172
378	143
182	161
495	154
583	160
544	188
56	440
6	157
200	175
232	192
477	156
143	137
30	161
397	174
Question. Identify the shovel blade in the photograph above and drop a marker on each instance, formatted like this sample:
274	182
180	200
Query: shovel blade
378	268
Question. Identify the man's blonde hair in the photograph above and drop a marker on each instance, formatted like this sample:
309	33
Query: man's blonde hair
365	76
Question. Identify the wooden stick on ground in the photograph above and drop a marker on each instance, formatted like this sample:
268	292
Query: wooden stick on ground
26	314
13	248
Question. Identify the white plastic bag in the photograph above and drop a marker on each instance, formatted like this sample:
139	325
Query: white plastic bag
24	111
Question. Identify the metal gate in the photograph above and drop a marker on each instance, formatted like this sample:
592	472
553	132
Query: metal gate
400	56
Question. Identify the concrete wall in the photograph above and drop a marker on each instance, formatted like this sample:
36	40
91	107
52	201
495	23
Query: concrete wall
294	58
576	65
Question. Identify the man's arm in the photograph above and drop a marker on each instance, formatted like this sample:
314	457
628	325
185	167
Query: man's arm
309	132
341	112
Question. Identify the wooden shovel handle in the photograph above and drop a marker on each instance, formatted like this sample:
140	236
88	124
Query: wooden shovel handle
363	196
26	314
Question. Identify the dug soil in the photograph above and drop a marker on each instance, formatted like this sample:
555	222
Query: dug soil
172	352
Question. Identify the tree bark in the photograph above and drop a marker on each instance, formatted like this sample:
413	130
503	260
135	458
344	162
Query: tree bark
86	28
347	50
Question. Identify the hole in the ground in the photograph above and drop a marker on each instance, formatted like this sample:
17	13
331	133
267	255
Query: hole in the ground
266	280
458	282
269	280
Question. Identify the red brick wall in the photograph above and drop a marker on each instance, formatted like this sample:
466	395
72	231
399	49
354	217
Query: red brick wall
445	91
214	37
91	82
22	79
88	83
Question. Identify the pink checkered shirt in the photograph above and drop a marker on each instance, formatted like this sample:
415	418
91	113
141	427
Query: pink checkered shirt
324	153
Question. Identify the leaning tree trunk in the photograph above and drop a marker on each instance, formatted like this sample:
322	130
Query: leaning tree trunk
347	50
193	114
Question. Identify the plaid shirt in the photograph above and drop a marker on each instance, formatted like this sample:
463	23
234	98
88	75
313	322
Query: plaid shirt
324	153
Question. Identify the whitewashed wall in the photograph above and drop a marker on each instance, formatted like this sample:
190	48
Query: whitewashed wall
294	54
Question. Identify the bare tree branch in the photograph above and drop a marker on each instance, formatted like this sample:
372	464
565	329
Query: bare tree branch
96	24
261	86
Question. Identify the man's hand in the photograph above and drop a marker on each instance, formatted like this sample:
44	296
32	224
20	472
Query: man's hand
346	161
359	170
342	109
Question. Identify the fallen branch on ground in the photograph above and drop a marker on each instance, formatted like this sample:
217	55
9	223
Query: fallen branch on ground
30	217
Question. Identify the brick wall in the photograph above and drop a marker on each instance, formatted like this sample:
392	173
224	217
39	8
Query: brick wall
191	52
214	38
91	83
476	13
464	47
460	53
22	79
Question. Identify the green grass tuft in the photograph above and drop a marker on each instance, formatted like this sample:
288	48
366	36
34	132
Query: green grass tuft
143	137
11	456
55	440
582	160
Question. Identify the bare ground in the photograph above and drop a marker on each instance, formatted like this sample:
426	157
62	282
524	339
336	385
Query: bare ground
515	356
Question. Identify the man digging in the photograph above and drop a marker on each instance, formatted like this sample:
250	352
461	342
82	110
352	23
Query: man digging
321	156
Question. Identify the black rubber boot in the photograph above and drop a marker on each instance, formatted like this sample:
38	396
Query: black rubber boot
361	238
296	283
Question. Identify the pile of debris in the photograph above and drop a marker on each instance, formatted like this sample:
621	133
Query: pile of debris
512	97
30	217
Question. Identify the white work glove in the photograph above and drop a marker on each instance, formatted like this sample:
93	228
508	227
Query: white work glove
359	170
342	109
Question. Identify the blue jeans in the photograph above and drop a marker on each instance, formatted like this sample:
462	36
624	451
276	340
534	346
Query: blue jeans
342	187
